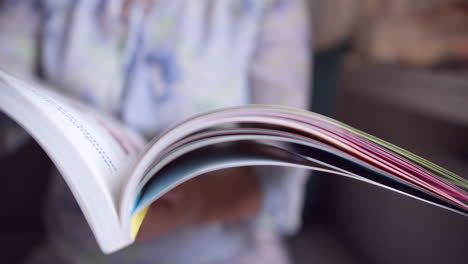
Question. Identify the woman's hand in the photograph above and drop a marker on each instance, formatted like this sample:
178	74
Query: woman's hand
222	196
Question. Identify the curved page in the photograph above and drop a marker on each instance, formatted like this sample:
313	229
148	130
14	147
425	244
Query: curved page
92	152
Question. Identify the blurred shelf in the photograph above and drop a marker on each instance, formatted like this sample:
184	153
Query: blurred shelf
440	95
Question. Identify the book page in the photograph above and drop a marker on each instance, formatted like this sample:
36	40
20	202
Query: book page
212	154
408	173
92	151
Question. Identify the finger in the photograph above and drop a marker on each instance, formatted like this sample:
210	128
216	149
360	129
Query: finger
159	219
187	201
230	195
179	207
176	195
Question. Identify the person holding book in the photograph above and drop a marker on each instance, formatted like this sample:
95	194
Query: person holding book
151	64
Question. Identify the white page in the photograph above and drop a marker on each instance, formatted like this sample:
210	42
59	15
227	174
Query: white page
92	152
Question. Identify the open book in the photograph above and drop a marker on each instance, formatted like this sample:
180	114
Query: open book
115	175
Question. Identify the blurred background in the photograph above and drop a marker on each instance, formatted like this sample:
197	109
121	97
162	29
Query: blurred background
396	69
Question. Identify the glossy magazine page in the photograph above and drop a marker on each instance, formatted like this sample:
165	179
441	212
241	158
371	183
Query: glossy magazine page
380	162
